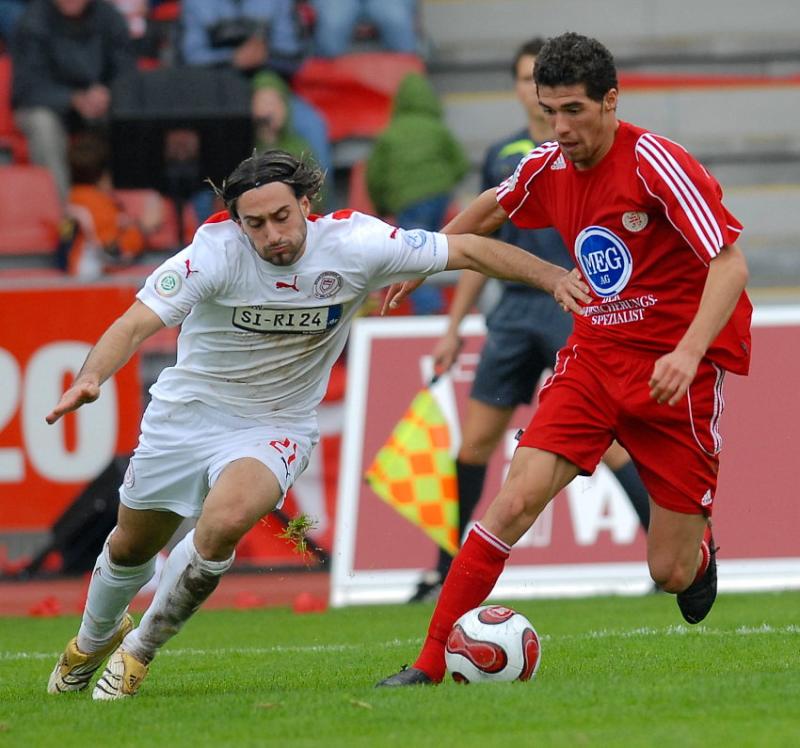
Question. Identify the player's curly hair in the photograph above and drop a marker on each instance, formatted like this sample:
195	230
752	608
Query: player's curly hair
570	59
301	174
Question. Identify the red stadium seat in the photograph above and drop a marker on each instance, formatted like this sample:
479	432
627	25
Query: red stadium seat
11	139
354	92
357	195
30	210
166	237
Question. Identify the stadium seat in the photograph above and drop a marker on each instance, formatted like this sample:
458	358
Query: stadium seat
165	239
12	140
30	211
354	92
357	195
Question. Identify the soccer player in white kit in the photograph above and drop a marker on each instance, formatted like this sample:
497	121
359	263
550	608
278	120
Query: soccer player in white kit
265	295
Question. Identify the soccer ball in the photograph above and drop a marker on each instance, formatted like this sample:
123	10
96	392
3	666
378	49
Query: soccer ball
492	643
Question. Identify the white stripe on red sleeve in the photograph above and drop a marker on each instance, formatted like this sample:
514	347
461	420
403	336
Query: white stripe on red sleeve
692	203
510	184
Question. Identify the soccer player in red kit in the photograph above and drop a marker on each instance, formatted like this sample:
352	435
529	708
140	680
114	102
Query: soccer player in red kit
647	358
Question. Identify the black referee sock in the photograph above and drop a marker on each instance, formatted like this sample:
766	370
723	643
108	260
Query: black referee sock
470	479
631	483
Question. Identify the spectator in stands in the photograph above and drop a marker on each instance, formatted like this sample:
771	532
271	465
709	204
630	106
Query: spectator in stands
251	36
104	234
413	168
65	54
10	11
272	123
137	15
336	22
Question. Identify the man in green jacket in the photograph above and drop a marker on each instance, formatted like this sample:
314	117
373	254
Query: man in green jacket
413	168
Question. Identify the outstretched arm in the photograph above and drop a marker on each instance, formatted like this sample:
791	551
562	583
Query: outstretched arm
484	215
115	347
501	260
674	372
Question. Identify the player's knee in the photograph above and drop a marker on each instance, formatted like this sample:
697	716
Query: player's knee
518	507
217	539
125	549
476	451
672	575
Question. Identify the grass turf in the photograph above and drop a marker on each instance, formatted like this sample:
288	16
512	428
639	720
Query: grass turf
615	672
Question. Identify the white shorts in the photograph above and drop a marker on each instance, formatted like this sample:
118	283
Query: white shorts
183	448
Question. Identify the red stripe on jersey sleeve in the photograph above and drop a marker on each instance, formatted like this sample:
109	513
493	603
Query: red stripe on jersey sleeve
692	198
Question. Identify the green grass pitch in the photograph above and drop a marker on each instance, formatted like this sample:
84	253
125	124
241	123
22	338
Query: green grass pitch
615	671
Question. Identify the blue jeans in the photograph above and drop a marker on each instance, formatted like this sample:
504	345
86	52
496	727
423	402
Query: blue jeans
337	19
10	11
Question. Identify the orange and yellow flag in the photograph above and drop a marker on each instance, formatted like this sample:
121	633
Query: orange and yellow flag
415	473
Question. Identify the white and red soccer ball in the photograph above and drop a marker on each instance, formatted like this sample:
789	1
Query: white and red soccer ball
492	643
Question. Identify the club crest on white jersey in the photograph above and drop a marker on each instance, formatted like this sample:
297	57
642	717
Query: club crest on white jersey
604	259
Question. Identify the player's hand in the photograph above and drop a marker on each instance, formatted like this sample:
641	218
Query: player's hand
397	292
569	290
672	375
446	352
79	394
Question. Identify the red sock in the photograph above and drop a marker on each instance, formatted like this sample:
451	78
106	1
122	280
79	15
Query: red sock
469	582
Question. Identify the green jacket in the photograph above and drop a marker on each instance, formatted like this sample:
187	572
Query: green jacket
416	156
288	140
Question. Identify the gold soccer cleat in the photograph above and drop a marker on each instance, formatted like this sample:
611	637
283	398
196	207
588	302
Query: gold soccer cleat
121	678
74	669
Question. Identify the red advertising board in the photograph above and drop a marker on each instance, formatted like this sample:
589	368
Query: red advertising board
45	335
589	539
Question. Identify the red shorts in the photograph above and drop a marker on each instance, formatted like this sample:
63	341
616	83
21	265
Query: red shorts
596	396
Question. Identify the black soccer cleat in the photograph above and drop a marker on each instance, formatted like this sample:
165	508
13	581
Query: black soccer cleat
696	600
408	676
428	588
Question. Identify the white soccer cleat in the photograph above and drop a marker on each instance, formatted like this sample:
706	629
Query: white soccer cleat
75	669
121	678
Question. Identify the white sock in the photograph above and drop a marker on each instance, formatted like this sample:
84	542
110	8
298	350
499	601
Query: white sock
186	582
111	590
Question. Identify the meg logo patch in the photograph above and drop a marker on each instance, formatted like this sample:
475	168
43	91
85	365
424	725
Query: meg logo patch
604	259
168	283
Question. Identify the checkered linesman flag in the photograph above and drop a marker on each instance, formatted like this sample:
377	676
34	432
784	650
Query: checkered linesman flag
415	473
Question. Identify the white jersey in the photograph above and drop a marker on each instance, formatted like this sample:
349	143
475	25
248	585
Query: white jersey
259	340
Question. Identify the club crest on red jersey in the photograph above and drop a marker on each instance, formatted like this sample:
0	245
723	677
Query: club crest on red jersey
604	259
634	220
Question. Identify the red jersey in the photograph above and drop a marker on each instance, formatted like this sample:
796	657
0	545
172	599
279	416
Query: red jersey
642	226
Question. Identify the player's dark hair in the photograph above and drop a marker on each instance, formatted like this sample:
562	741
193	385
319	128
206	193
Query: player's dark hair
531	48
301	174
571	59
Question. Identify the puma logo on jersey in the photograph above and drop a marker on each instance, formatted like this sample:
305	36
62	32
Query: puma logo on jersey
559	163
189	269
292	285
